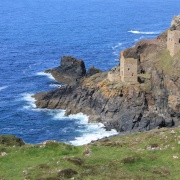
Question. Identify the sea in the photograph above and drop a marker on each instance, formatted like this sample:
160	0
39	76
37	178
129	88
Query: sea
35	34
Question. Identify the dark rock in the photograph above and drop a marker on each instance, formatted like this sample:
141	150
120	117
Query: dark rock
70	71
127	113
11	140
175	24
94	118
92	70
75	160
68	112
67	173
131	159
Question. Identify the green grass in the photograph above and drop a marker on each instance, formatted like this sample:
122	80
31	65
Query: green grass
168	64
121	157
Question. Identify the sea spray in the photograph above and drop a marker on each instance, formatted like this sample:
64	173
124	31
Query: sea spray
91	131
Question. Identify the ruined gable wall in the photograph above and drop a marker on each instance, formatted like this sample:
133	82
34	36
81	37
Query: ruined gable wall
173	42
130	70
114	74
170	42
176	41
126	72
122	66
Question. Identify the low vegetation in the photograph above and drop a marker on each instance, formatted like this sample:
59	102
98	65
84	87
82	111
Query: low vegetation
167	64
146	155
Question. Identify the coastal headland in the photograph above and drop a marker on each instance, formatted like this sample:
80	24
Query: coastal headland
148	100
140	94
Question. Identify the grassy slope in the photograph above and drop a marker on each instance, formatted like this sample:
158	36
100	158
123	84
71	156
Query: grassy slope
169	65
121	157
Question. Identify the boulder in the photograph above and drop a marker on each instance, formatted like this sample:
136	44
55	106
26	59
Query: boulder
67	173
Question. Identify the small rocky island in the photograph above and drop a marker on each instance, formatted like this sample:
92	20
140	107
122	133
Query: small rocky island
142	93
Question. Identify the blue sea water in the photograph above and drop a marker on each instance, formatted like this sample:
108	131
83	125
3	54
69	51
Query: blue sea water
34	34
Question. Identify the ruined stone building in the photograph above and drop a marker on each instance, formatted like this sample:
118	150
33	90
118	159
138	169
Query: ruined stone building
127	72
173	41
128	69
173	36
114	74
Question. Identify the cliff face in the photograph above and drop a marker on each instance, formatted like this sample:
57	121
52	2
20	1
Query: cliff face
152	103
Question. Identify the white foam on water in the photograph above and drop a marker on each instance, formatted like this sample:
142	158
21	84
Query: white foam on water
91	132
116	53
116	50
82	118
94	132
116	46
30	100
58	114
143	32
55	85
136	40
3	87
88	131
45	74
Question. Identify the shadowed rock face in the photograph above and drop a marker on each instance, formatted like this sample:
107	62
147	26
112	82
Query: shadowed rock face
92	70
70	71
130	110
152	104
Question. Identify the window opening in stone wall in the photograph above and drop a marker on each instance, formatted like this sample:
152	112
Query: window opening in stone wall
179	40
128	69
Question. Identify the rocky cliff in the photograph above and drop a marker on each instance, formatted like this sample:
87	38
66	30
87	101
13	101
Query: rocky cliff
153	102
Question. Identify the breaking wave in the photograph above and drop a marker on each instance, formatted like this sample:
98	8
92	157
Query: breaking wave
87	132
55	85
143	32
90	132
45	74
29	99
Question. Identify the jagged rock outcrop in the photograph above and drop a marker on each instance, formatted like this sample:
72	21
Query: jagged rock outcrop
70	71
92	70
175	24
154	102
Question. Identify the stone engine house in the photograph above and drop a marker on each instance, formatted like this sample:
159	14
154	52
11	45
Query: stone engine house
127	72
173	41
128	69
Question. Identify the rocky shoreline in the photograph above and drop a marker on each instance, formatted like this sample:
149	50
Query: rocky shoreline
153	102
